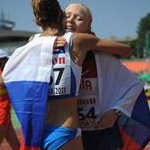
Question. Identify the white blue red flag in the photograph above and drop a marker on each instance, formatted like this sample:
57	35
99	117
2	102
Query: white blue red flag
27	76
135	131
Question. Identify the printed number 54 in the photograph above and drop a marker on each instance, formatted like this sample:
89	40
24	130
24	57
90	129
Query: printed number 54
89	115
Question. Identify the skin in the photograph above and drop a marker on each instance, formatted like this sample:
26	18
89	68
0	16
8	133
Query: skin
69	117
8	131
78	19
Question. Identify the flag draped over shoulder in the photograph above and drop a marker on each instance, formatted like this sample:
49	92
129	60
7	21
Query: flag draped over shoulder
27	76
120	89
135	131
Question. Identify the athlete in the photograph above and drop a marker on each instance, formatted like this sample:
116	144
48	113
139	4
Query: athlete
63	71
6	129
62	122
101	86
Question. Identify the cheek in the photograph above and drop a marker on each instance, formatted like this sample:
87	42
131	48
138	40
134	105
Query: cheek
82	27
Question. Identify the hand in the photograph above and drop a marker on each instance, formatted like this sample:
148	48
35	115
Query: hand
107	120
59	42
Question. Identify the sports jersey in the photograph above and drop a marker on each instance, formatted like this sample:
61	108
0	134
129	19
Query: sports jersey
88	94
29	90
115	88
66	75
27	76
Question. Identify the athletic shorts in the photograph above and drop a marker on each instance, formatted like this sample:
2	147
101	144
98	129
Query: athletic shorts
107	139
56	137
5	106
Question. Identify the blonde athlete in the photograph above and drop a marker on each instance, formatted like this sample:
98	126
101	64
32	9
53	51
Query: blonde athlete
62	118
103	77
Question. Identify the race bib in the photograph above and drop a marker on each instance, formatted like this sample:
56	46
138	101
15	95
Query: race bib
61	76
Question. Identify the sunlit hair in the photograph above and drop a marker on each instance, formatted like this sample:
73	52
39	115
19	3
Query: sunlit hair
86	10
47	12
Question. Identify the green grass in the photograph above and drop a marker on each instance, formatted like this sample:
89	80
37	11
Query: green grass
14	119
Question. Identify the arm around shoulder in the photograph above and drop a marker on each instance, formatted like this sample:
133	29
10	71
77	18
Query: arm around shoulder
116	48
90	42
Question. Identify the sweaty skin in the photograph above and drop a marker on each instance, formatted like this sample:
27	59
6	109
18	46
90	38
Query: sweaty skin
78	19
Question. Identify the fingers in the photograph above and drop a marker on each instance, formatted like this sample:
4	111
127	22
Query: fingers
107	121
56	45
60	42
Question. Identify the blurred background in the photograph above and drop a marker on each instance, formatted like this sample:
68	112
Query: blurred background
123	21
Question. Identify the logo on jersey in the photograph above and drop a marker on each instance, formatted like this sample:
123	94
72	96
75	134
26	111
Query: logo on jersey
59	50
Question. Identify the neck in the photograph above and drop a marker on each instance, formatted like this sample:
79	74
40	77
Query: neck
52	31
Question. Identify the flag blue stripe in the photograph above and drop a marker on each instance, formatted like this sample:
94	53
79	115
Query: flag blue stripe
141	112
139	133
138	126
29	99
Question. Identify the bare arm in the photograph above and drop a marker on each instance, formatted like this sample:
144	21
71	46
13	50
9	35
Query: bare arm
115	48
107	46
82	43
107	120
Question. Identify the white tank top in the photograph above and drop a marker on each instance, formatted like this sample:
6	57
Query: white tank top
66	75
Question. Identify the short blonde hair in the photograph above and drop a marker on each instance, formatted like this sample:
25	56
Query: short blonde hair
85	8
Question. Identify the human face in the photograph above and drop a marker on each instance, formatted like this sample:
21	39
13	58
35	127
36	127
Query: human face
77	19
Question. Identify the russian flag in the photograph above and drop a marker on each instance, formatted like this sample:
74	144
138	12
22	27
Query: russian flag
135	131
27	76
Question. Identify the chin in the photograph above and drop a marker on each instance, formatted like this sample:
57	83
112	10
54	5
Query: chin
70	30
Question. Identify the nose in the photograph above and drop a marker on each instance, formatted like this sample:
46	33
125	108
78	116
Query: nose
70	19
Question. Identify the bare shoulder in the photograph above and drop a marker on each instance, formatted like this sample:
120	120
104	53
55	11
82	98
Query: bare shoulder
84	39
84	36
82	43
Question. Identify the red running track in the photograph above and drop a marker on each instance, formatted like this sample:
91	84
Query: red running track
5	145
